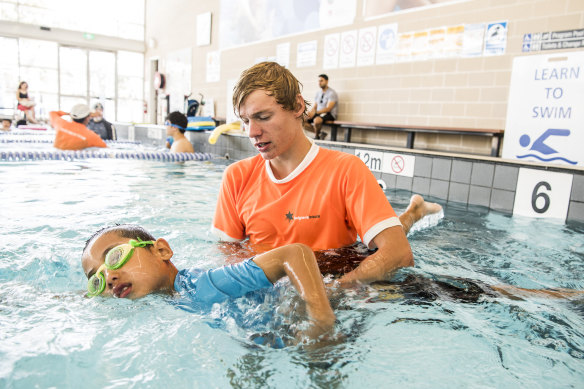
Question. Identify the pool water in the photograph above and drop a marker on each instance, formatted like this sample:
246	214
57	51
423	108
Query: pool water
51	336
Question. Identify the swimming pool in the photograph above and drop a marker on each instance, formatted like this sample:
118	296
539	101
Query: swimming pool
52	336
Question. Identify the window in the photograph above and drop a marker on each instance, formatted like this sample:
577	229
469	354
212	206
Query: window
38	66
60	77
8	75
126	22
102	81
130	86
73	71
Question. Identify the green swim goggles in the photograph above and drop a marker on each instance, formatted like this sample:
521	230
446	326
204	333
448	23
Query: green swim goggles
114	259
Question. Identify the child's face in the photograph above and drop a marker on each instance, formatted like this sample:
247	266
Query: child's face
147	271
5	125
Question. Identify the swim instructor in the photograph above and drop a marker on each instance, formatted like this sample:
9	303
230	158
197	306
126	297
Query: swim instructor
296	192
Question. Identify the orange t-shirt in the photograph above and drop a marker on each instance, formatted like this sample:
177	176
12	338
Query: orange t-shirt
324	203
72	135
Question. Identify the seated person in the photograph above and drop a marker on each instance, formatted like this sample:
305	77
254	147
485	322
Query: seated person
325	109
74	135
25	103
126	261
176	125
99	125
6	123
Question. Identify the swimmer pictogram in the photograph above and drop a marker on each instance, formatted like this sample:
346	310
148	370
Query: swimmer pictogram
541	147
387	39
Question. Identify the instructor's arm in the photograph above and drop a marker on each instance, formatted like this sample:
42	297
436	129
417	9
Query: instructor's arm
394	252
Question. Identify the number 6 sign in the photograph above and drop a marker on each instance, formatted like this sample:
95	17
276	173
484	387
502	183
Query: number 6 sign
542	194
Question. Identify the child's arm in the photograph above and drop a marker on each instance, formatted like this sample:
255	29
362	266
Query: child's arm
297	261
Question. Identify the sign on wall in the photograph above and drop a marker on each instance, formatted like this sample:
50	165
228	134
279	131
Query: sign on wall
386	44
348	49
545	114
306	54
553	40
204	29
213	66
496	38
330	55
366	47
178	83
542	194
283	54
377	161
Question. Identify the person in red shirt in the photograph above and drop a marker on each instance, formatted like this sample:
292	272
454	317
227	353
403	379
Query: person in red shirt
295	192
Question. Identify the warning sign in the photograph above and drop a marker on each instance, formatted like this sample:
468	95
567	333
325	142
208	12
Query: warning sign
366	49
398	164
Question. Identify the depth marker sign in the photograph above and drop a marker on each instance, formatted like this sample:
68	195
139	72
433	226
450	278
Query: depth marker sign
542	194
398	164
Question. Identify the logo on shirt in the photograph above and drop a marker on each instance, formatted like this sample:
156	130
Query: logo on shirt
290	216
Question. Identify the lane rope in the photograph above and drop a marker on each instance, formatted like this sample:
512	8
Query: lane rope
70	155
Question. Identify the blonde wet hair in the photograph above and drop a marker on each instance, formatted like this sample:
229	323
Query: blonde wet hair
275	80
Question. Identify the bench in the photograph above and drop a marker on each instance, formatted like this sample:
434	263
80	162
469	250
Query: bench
412	130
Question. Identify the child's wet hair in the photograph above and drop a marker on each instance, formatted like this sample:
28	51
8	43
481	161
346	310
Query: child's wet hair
179	119
130	231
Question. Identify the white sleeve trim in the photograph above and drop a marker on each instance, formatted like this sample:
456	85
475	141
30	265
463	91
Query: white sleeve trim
376	229
223	236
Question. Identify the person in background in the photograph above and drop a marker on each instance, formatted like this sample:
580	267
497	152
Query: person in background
6	123
81	114
176	124
74	135
25	103
99	125
325	108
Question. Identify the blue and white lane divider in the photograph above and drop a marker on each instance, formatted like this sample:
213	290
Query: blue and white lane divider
70	155
44	139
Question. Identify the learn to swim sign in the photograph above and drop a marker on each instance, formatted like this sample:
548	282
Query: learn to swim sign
545	113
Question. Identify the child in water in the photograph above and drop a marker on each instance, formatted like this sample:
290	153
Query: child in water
176	125
126	261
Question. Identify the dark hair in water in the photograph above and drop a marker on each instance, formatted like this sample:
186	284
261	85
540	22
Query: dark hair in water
130	231
178	119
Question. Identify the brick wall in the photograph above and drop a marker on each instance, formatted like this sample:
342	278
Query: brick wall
469	92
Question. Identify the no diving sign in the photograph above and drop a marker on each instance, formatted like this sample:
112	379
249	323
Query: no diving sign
399	164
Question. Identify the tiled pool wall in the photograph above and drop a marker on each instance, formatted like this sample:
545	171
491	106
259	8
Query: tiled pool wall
465	180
